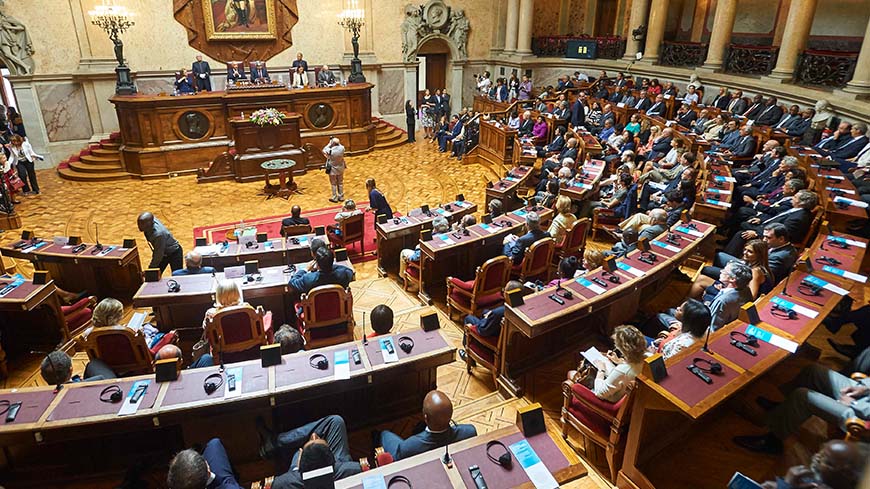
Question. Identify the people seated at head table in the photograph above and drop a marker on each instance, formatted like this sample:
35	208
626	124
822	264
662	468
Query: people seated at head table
382	320
193	265
210	470
299	62
377	201
325	78
684	327
564	218
515	247
298	77
318	444
755	254
324	272
259	73
613	379
438	431
56	369
182	82
235	73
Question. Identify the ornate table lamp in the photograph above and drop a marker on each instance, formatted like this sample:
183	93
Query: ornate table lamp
352	19
115	19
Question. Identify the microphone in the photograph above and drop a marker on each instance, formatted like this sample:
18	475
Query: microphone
785	284
706	348
365	339
221	351
98	246
59	386
446	459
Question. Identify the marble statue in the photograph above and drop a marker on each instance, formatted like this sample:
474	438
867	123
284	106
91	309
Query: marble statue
458	31
15	46
824	114
413	28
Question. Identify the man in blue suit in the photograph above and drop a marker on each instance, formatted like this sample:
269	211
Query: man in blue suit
439	430
210	470
259	73
325	272
444	137
745	145
578	111
515	248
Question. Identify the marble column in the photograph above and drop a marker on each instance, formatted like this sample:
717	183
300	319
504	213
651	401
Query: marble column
658	16
797	31
30	110
638	17
524	31
411	82
860	82
723	24
510	34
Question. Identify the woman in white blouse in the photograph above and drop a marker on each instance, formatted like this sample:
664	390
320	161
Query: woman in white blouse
23	157
613	379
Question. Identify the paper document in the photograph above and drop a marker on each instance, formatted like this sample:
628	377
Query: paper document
594	356
135	323
236	374
341	360
534	467
128	407
388	349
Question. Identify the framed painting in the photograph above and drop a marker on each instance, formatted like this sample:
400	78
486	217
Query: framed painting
233	20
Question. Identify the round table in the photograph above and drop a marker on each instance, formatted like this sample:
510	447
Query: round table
286	185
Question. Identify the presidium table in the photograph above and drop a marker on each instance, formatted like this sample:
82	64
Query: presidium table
163	135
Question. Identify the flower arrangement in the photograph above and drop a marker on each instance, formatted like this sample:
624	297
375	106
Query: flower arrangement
267	117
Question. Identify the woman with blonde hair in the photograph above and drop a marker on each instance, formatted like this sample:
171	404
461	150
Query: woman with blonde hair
109	312
564	218
613	378
228	293
592	259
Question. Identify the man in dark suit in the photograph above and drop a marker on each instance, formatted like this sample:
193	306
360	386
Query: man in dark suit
193	265
642	103
793	114
201	73
797	127
236	72
259	74
325	272
686	116
745	145
449	136
781	254
755	108
438	432
796	221
721	100
295	218
210	470
768	180
771	113
658	108
848	147
617	95
299	62
515	248
527	125
771	154
628	100
445	102
620	80
325	78
578	111
556	145
737	105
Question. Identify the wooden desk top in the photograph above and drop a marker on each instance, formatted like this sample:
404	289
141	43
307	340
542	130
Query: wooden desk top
516	177
78	404
580	188
415	219
52	252
427	470
26	296
219	96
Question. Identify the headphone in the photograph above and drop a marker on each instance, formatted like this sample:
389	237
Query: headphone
406	344
212	386
504	460
610	276
294	240
827	260
173	286
4	406
712	367
839	244
79	248
807	288
745	342
114	394
778	311
399	478
318	361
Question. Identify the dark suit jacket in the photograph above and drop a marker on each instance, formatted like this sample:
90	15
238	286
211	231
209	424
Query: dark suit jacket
721	101
526	127
555	145
644	104
426	440
304	281
490	323
256	74
612	117
739	106
850	148
445	104
797	221
578	114
568	153
745	146
651	232
298	62
199	271
798	127
769	115
687	119
754	111
657	108
781	260
616	97
200	67
517	249
294	221
662	146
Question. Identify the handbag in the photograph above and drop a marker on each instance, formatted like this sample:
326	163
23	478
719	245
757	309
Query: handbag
585	375
15	182
328	168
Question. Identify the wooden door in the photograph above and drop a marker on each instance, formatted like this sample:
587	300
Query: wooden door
605	17
436	71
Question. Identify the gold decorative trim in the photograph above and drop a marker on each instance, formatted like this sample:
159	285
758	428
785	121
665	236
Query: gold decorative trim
213	34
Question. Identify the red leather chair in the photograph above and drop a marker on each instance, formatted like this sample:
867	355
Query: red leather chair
237	332
484	292
412	275
602	423
352	230
121	348
574	241
482	350
536	262
77	315
327	316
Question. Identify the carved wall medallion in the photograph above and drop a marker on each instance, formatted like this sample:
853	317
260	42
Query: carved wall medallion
194	125
321	115
436	14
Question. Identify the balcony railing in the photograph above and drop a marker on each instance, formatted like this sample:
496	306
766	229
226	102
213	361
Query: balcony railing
751	60
683	53
550	46
826	68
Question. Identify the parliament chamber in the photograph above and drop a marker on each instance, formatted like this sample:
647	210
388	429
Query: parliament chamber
589	244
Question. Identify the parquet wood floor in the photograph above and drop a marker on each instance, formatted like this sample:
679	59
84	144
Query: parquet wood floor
409	176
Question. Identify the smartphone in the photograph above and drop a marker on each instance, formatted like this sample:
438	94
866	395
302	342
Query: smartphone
13	412
477	477
356	358
138	393
389	345
740	481
231	382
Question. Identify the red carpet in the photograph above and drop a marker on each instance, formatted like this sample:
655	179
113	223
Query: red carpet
272	227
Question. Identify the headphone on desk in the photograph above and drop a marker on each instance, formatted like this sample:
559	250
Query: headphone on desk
406	344
173	286
504	460
712	367
781	312
213	382
399	479
111	394
318	361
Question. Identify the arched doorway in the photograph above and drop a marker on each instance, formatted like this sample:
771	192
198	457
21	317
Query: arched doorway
434	55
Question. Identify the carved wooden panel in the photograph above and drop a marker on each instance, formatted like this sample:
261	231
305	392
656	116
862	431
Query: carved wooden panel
189	13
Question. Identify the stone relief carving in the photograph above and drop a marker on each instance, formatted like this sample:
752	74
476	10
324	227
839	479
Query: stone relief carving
15	46
433	18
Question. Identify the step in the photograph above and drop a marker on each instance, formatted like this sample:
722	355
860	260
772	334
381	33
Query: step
385	129
114	146
70	174
94	168
390	144
100	159
382	138
104	152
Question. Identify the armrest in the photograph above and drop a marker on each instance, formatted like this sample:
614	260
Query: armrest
858	376
858	427
585	397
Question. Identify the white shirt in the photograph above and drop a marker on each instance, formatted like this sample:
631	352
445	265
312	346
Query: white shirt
612	387
25	152
679	343
483	85
691	97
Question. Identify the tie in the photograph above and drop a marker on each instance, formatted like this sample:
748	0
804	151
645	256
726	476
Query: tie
639	103
784	122
731	105
790	211
863	151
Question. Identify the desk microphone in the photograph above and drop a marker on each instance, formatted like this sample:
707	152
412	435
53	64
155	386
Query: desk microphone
785	284
97	246
59	386
365	340
221	351
706	346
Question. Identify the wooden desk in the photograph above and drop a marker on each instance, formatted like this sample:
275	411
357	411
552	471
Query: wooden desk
113	272
187	307
717	190
505	189
163	135
541	328
274	252
663	412
427	470
31	319
486	104
393	237
496	144
178	414
590	174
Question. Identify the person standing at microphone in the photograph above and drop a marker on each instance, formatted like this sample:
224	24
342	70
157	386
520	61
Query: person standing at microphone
335	166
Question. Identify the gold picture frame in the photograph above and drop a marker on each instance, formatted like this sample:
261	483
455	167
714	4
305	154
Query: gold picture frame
234	20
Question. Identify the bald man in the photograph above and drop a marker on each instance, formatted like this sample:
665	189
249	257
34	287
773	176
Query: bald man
165	248
437	414
193	265
837	465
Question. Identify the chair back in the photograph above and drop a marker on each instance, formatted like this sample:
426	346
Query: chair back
327	316
491	277
818	214
536	263
123	349
295	229
575	237
353	228
235	329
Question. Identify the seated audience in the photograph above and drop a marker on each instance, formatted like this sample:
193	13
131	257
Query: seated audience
755	254
564	218
817	391
325	272
318	444
781	254
727	137
548	197
377	201
744	145
658	219
796	220
466	222
626	244
494	209
56	369
685	326
592	259
382	320
798	127
641	221
712	130
193	265
515	247
295	218
348	209
290	339
568	267
633	125
227	294
735	278
539	130
658	108
771	113
440	225
685	116
556	145
527	126
700	124
837	465
691	97
612	380
652	194
439	429
737	105
211	470
617	197
489	323
720	101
